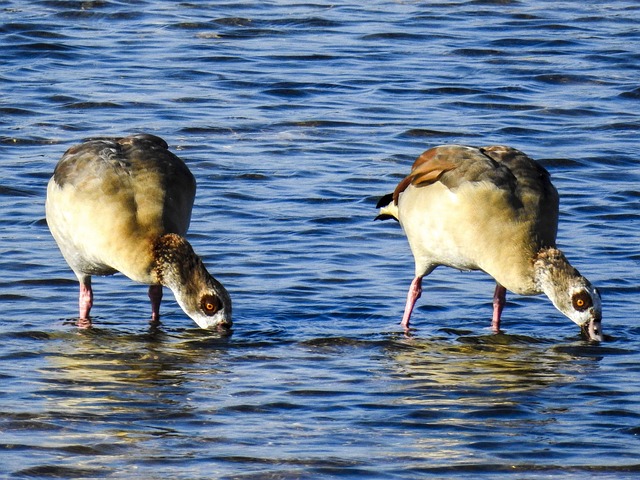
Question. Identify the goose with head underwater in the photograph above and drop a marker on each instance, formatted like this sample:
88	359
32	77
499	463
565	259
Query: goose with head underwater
492	209
124	205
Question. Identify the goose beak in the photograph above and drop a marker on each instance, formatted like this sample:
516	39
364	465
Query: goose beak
224	327
593	329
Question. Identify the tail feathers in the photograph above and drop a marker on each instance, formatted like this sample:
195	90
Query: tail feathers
388	208
385	200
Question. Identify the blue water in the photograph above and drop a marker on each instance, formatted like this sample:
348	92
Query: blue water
295	117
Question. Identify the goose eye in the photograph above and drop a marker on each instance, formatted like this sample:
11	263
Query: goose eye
210	304
581	301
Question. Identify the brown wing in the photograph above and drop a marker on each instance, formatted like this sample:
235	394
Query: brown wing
148	152
427	169
526	183
454	165
533	187
110	165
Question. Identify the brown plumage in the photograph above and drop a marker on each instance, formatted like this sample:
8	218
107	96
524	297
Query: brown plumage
124	205
492	209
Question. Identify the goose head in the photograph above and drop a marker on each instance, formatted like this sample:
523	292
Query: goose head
199	294
570	292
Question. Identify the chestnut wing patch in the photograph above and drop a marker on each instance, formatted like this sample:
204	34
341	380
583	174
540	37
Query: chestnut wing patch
426	170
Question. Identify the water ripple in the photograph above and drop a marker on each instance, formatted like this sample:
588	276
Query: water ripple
295	118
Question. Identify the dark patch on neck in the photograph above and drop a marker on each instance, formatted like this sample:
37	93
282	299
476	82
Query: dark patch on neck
174	257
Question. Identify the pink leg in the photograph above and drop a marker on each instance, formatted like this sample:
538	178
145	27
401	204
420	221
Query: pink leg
85	302
155	295
415	290
499	299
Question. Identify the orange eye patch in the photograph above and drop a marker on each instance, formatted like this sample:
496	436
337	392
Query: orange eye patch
210	305
581	301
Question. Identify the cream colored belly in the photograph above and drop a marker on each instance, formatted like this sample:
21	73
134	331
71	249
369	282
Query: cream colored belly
473	228
98	238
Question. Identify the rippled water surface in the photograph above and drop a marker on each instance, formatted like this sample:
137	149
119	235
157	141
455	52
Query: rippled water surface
295	117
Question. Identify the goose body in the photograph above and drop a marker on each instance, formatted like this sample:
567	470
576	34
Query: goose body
492	209
124	205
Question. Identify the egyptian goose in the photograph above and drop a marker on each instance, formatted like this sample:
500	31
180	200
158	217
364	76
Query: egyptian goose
492	209
124	205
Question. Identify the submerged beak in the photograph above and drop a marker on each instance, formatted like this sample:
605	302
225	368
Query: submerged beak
593	329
